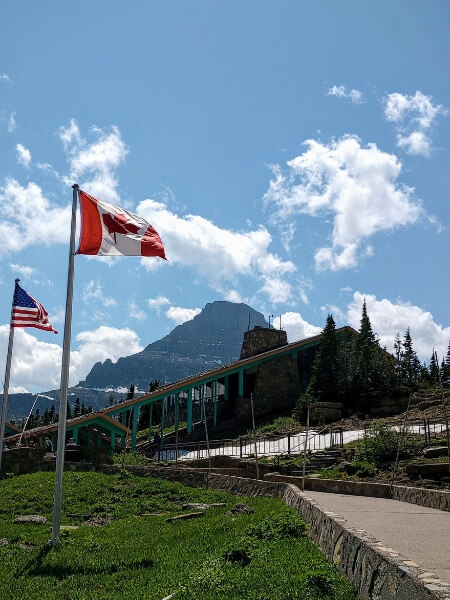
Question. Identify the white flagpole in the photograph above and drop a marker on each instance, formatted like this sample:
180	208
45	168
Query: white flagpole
64	378
7	374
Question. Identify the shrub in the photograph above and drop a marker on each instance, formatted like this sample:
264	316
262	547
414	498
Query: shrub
132	458
380	445
281	526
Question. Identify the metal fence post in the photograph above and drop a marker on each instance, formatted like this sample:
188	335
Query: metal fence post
289	443
240	446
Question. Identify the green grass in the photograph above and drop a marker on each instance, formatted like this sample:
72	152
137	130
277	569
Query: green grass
262	556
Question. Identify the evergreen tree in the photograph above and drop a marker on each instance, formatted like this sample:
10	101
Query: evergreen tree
69	411
52	413
398	347
323	386
446	370
410	364
365	346
433	373
77	408
130	393
46	417
144	417
346	368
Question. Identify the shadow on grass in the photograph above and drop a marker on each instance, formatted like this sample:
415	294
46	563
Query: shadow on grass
63	571
36	560
35	567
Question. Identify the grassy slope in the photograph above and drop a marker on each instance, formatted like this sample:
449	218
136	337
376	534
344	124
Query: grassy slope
135	557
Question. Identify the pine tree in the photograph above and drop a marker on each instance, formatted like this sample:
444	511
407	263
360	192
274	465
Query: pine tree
144	417
398	347
365	345
433	372
446	370
130	393
323	386
77	408
410	365
46	417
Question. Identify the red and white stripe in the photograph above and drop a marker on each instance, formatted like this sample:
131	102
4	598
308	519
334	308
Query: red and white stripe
31	317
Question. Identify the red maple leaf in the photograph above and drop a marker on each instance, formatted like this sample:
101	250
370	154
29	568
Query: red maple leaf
117	223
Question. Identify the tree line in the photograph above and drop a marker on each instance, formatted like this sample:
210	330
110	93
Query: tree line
50	415
355	370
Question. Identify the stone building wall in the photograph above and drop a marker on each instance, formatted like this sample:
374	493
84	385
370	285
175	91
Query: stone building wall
262	339
275	386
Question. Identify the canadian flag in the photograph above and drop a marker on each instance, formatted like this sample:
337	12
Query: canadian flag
107	230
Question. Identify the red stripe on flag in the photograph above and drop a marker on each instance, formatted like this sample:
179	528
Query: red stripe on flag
91	227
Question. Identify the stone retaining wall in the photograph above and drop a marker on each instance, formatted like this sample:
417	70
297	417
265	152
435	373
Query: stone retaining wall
420	496
377	572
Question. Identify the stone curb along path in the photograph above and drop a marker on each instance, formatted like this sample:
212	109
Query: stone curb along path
376	571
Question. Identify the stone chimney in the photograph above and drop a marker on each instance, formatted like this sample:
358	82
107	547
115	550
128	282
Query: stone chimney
262	339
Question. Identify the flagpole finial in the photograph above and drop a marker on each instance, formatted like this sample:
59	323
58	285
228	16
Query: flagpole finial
75	186
17	280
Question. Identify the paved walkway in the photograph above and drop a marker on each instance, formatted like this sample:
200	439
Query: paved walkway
418	533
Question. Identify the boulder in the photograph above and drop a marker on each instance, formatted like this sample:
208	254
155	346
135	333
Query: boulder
436	451
241	509
348	467
38	519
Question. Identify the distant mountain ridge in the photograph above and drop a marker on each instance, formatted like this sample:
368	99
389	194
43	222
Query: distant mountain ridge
211	338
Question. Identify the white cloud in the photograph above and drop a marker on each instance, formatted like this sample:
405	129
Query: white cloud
93	294
297	328
11	122
287	235
233	296
136	312
94	163
303	296
18	389
357	185
5	77
389	318
37	365
100	344
23	156
29	218
340	91
158	302
23	270
416	142
219	255
276	290
180	315
413	117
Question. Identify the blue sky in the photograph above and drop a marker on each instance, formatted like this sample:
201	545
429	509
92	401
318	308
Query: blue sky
292	155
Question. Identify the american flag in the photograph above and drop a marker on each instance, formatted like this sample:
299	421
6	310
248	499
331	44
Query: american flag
27	312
